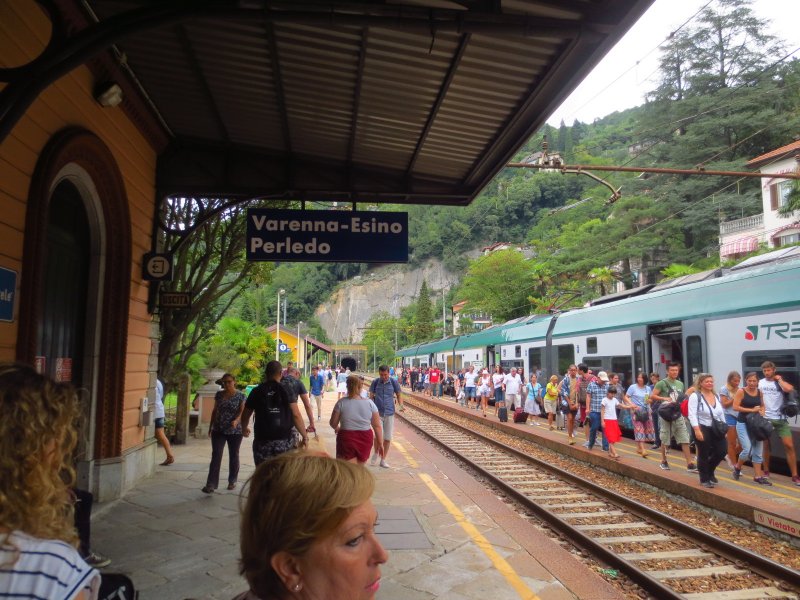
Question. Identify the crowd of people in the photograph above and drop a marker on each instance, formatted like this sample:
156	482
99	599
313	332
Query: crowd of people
730	423
308	526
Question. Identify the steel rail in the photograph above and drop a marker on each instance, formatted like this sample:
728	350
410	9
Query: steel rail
754	562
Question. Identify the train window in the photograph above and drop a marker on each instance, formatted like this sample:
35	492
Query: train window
638	355
694	356
517	351
566	356
591	345
787	363
595	364
534	359
622	366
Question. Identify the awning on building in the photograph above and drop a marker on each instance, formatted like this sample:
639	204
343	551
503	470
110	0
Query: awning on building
740	246
786	228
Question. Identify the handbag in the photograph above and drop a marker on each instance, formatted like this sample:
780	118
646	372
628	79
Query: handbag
669	411
641	414
790	406
719	428
758	427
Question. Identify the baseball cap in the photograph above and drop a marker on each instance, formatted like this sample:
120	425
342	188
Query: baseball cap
602	376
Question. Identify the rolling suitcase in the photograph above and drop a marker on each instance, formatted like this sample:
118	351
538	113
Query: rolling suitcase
520	416
502	414
560	420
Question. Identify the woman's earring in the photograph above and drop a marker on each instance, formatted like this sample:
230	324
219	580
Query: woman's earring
298	587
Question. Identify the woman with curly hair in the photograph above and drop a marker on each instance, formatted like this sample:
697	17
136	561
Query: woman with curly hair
37	537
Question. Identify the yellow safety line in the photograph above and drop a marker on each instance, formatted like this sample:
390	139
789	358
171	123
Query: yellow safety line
498	561
414	464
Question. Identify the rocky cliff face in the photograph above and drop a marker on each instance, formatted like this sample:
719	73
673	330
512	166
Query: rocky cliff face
385	289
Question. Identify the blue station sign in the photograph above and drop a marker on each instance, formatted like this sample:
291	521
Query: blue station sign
327	236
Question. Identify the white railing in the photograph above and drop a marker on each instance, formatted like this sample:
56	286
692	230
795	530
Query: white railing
754	222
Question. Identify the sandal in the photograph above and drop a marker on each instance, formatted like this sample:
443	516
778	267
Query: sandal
168	461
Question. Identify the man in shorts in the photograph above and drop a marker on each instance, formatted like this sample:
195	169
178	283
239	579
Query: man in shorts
275	412
469	386
383	391
670	389
772	388
512	383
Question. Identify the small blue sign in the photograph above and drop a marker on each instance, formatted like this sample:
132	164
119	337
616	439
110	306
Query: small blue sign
327	236
283	348
8	292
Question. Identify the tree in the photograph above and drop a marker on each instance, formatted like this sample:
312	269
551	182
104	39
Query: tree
210	266
499	284
239	348
423	318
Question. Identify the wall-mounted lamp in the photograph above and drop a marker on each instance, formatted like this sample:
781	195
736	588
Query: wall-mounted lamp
108	94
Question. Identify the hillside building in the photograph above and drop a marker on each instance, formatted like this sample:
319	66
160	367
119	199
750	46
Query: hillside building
741	236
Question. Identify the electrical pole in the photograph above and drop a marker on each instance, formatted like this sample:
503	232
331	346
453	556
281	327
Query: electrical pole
444	321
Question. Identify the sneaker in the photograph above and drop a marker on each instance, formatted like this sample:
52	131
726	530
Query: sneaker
691	467
707	484
586	445
765	474
98	561
572	441
655	447
796	480
713	480
664	465
737	473
374	460
764	481
384	464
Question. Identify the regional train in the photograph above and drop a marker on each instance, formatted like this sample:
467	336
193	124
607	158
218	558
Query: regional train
715	322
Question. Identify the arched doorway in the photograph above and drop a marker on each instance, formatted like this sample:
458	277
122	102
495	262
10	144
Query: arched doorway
348	362
75	286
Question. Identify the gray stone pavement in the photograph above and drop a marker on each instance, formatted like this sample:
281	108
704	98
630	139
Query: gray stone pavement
176	542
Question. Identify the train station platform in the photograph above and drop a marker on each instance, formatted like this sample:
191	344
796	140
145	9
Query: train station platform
775	507
448	536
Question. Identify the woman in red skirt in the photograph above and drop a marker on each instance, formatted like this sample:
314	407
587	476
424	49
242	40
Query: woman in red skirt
608	419
354	419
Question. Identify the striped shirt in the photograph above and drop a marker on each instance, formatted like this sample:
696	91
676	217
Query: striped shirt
35	569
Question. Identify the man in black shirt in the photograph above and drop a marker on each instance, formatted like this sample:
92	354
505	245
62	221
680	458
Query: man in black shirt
292	379
276	411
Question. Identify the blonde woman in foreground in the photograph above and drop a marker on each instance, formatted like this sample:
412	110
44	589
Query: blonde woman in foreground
308	531
38	558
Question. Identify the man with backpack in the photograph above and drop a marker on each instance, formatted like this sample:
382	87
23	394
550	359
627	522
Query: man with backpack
670	391
276	411
774	389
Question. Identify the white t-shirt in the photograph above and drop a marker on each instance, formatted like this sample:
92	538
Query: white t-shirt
469	379
773	399
699	413
48	569
159	409
610	408
497	379
513	384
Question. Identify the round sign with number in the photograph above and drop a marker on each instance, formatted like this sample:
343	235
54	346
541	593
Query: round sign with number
283	348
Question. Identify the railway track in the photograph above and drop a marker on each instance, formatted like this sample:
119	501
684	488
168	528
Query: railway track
664	556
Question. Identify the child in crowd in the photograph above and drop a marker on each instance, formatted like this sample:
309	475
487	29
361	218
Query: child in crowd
608	419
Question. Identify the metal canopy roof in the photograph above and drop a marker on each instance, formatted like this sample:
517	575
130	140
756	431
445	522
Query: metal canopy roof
404	101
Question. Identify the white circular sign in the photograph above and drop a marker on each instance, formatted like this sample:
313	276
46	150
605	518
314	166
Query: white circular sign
283	348
157	266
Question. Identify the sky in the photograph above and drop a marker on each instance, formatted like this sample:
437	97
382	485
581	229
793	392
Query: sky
629	70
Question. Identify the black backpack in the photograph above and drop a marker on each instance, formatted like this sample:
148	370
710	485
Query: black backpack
276	422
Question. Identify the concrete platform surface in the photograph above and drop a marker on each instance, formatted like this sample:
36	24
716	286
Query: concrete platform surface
448	536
